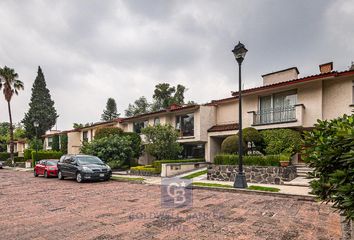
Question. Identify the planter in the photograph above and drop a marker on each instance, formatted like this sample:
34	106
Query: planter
284	163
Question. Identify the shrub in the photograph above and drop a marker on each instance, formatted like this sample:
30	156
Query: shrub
145	169
46	155
64	143
19	159
329	150
107	132
55	143
251	135
5	156
27	154
115	149
230	145
135	144
157	164
281	141
162	142
231	159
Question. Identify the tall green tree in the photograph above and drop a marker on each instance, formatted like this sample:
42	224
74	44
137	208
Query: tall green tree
41	108
140	106
10	84
166	95
4	135
110	112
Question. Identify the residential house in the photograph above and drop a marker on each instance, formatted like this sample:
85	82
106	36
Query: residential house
283	101
20	146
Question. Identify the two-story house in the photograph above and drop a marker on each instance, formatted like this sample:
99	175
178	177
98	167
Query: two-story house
284	101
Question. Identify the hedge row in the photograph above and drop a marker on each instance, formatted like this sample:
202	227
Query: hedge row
157	164
146	168
46	155
268	160
5	155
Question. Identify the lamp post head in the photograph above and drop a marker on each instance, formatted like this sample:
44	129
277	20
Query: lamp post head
35	124
239	52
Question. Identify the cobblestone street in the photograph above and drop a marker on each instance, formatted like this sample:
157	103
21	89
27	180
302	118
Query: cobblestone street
39	208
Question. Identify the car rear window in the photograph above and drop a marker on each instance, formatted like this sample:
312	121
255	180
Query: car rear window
52	163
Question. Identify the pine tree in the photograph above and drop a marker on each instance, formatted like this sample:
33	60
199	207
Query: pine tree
41	108
110	112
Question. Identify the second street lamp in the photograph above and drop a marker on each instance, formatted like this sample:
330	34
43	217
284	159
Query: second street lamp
240	179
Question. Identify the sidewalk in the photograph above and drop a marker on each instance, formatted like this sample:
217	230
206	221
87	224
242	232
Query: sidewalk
298	186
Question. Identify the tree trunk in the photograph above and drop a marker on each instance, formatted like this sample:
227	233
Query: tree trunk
11	135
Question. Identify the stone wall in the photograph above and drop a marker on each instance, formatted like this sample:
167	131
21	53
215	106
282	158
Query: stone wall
254	174
143	173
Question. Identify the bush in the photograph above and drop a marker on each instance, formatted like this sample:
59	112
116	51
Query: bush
27	154
251	135
107	132
281	141
46	155
5	156
157	164
162	142
230	145
231	159
55	143
136	145
115	149
19	159
64	143
145	169
329	150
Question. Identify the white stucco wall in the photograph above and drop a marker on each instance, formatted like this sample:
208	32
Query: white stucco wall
337	97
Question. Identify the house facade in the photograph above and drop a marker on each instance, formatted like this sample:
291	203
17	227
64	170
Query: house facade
283	101
20	146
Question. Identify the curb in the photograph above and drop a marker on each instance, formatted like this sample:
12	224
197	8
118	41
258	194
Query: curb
251	192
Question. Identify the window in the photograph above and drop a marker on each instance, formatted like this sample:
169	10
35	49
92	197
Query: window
193	151
277	107
85	136
185	124
137	126
50	141
156	121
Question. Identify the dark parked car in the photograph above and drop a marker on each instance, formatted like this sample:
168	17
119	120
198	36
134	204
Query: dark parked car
0	165
46	167
83	167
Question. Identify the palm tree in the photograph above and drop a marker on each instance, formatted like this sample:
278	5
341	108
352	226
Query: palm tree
11	85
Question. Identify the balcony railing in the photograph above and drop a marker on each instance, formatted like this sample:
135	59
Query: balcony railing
275	115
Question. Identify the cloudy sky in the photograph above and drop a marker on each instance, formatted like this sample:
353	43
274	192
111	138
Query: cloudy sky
91	50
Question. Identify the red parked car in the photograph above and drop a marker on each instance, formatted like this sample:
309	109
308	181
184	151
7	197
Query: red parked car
47	168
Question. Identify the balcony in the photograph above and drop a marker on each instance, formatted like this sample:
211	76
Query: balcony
291	116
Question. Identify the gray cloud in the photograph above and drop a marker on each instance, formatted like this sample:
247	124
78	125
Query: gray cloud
92	50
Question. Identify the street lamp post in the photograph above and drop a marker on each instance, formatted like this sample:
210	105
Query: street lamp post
36	125
240	180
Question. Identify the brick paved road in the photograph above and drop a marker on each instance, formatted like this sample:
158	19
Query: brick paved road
38	208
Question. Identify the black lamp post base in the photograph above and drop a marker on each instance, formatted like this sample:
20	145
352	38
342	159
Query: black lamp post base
240	181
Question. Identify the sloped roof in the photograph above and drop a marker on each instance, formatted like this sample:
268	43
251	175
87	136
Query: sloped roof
224	127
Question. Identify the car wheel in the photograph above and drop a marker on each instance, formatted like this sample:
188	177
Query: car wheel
35	173
45	174
79	177
60	176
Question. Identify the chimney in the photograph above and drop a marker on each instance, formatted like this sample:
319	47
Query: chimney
174	106
280	76
326	67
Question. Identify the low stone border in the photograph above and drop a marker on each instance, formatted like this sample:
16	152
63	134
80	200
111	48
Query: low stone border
254	174
144	173
264	193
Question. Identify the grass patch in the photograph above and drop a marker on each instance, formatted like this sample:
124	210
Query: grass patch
202	184
127	178
196	174
260	188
